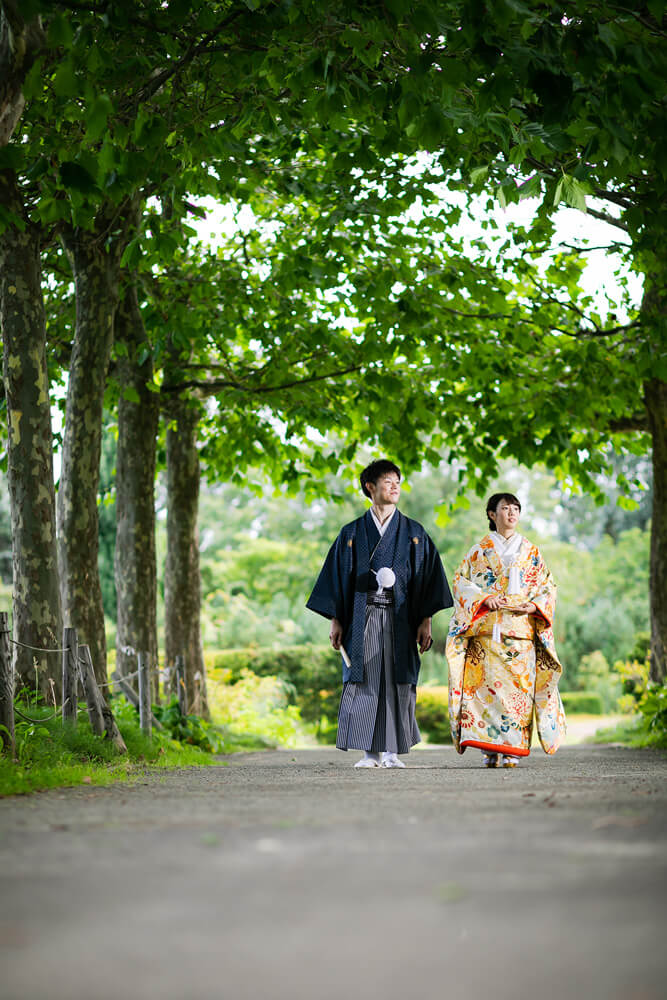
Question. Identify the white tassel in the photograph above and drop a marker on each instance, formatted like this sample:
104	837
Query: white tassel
515	581
497	637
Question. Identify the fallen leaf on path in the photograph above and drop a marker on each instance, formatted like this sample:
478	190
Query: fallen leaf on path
451	892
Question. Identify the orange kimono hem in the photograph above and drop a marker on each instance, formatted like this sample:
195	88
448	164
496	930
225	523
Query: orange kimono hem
496	748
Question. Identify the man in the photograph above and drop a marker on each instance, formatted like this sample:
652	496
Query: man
380	585
503	666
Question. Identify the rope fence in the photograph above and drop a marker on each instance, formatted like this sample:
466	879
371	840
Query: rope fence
77	672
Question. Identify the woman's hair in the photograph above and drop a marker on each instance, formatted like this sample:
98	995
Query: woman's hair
492	504
375	471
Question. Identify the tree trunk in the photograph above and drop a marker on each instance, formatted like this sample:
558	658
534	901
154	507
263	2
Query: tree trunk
96	283
135	566
182	583
655	398
36	602
19	46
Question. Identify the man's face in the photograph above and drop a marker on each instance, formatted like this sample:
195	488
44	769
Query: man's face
387	490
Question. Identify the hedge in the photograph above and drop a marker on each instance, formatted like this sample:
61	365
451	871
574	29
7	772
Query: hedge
312	674
433	714
582	702
314	679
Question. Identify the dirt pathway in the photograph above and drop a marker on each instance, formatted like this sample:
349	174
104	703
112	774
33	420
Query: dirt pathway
289	875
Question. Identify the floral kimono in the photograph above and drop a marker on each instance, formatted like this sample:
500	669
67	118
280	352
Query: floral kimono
503	666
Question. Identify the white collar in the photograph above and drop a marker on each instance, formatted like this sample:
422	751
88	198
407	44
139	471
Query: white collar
507	548
382	526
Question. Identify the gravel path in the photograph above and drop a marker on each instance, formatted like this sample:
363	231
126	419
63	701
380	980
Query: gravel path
289	875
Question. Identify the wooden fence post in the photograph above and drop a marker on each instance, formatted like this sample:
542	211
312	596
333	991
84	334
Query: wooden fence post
196	705
70	672
90	690
131	695
112	730
145	713
180	684
6	687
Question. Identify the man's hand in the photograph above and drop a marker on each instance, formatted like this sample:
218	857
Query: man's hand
336	633
424	637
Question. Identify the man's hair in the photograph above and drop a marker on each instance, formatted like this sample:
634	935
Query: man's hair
492	504
375	471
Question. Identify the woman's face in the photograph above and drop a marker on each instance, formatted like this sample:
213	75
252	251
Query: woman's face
506	517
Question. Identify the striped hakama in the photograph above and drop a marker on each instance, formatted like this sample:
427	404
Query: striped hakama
378	714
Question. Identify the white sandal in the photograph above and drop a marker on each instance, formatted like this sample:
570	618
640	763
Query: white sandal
368	762
391	760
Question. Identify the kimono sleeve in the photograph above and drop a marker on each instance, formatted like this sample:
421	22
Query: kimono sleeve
434	592
542	593
328	596
469	596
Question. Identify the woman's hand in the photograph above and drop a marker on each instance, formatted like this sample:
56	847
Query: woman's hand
525	609
336	633
494	603
424	636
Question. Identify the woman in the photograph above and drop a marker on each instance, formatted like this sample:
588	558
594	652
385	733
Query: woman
502	660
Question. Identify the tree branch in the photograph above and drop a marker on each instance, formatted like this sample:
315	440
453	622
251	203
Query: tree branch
624	425
213	386
156	82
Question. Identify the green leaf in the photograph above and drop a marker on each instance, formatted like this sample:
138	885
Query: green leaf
96	118
60	31
627	503
76	177
130	394
64	82
574	193
131	254
478	175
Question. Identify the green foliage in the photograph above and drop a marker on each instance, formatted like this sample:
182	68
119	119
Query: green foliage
646	729
634	675
258	705
582	702
653	707
53	755
311	675
433	714
596	676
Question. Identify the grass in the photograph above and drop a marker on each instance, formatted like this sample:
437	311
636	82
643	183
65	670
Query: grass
632	732
52	755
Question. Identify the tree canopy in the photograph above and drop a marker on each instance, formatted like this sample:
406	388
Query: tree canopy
352	309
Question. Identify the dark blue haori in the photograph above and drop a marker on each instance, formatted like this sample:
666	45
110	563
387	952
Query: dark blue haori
420	590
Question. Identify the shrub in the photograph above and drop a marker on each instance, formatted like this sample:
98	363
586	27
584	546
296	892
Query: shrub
595	676
582	702
313	674
653	707
433	714
259	705
634	676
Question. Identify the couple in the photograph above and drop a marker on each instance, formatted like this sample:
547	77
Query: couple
380	586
